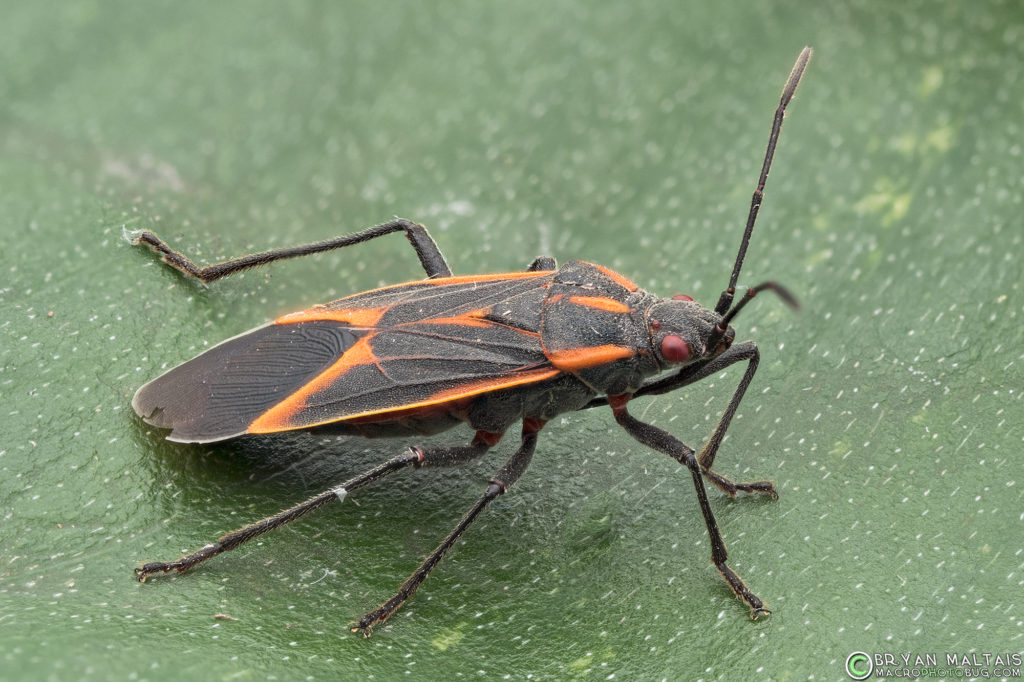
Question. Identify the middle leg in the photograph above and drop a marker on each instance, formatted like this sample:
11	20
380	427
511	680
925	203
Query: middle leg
501	481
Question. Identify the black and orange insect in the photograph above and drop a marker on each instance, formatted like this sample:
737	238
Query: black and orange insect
483	350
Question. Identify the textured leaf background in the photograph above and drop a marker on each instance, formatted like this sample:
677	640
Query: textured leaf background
888	411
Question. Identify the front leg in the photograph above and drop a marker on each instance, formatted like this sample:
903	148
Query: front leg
744	351
691	374
662	441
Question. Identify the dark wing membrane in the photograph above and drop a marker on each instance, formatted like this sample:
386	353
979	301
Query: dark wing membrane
430	342
387	350
219	393
447	291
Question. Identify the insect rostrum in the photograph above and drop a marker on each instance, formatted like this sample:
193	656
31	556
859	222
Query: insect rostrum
488	350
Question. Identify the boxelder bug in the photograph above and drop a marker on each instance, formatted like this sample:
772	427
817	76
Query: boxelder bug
486	350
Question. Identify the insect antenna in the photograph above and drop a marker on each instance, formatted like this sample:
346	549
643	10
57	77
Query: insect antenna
725	300
723	324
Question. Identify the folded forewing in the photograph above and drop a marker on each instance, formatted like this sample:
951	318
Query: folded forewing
384	351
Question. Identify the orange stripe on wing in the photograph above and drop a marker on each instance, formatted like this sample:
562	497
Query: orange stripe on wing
265	425
464	279
357	317
461	279
575	359
531	376
368	317
278	418
619	279
474	318
601	303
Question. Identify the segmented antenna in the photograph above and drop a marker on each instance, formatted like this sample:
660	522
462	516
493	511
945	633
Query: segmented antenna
725	300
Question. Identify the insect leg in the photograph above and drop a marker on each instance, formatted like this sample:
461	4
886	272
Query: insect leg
438	456
542	263
501	481
746	351
662	441
426	249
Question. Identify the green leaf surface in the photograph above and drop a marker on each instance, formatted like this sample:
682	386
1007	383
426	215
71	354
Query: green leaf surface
888	410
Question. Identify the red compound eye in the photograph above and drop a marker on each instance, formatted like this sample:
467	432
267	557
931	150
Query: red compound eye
674	349
682	297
